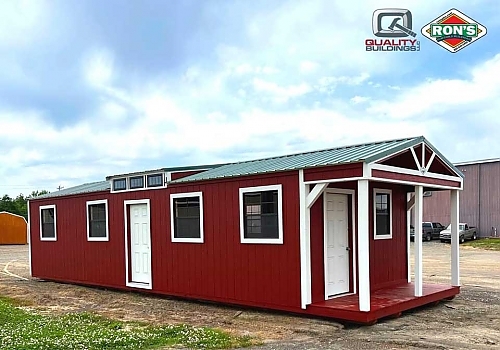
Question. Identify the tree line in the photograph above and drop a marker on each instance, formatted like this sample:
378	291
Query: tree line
19	204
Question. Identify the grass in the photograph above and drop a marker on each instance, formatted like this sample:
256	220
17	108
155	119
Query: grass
485	243
22	328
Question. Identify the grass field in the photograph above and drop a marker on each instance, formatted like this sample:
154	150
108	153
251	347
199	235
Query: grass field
23	328
485	243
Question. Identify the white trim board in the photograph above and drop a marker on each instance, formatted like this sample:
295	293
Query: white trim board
42	207
375	192
126	205
363	235
305	249
382	179
412	183
172	217
405	171
278	240
98	239
353	250
28	229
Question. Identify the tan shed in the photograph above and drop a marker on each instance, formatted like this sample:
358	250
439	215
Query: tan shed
13	229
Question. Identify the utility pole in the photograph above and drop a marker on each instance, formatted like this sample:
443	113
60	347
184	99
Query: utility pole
60	187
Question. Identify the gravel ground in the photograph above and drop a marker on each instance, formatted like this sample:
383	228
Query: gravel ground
470	321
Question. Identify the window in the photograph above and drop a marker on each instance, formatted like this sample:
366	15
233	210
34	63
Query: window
97	220
136	182
119	184
186	214
155	180
48	231
261	217
382	214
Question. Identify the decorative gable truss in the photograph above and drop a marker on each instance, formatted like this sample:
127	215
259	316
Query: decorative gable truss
420	160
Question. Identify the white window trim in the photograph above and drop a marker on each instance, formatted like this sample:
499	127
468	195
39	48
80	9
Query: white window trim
383	191
172	217
144	188
278	240
52	239
98	239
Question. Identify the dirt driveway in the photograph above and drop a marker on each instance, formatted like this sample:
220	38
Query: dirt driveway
470	321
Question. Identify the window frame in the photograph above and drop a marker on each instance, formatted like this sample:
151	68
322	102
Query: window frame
131	178
375	192
119	179
49	239
174	239
161	175
98	239
242	192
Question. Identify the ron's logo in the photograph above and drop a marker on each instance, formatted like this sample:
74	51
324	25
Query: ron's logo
454	30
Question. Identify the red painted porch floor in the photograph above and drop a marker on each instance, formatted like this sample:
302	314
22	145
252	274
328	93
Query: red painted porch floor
387	302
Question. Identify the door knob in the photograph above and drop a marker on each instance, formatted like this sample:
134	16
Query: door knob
347	248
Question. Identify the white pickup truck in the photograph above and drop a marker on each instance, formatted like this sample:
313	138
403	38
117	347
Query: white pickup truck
465	232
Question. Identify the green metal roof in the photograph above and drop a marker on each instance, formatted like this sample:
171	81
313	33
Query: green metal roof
366	152
85	188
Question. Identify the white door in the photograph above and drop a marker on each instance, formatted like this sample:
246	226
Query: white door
140	243
337	245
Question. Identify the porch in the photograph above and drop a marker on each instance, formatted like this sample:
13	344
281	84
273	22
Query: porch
355	234
386	302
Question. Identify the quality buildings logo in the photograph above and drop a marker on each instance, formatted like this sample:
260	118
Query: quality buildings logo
453	30
394	31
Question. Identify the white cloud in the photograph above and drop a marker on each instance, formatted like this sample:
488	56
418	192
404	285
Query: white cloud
330	83
308	66
280	93
359	99
214	108
22	22
98	67
483	86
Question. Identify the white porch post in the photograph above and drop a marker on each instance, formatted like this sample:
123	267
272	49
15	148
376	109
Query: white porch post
408	224
305	250
455	257
419	198
363	246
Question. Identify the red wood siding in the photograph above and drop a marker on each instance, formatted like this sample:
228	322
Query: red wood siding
388	261
414	178
317	251
72	257
402	160
220	269
333	172
181	174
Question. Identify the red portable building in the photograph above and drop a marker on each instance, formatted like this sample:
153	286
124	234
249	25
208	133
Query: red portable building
321	233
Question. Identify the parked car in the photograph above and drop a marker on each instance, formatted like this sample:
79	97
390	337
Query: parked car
430	231
464	232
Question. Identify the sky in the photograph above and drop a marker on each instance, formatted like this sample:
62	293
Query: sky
95	88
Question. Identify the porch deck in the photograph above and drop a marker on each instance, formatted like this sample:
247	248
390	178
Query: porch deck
387	302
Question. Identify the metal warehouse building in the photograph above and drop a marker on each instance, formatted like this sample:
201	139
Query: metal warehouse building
479	200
